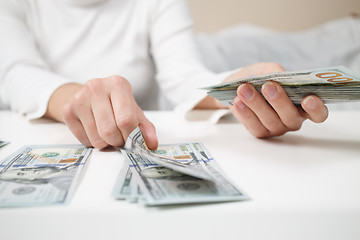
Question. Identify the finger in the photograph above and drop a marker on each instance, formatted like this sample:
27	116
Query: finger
125	109
75	126
315	109
281	103
105	119
265	113
148	131
249	119
83	111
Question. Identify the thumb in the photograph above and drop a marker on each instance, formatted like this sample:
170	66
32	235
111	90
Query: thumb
148	131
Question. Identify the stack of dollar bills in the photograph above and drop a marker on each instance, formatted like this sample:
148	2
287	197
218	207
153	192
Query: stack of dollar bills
332	85
39	175
172	174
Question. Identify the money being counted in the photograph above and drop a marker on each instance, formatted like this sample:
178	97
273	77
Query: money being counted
332	85
37	175
181	157
145	179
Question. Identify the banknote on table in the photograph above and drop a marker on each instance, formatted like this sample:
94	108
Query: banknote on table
124	183
3	143
38	175
149	182
126	187
332	85
180	158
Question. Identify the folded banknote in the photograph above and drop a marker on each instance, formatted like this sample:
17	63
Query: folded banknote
172	174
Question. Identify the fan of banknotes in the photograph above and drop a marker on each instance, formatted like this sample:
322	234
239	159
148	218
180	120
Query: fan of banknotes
332	85
40	175
173	174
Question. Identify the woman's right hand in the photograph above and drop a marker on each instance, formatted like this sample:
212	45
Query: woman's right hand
101	113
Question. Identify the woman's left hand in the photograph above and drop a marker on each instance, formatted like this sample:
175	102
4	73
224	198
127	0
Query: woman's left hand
276	114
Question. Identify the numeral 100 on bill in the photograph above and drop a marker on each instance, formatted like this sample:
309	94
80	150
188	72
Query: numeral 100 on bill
335	77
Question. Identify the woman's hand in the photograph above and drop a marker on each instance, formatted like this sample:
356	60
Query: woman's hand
277	114
101	113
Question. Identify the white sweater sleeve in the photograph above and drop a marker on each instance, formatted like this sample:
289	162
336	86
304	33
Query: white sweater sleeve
26	82
180	72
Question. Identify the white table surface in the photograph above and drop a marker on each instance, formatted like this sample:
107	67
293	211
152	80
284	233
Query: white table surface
303	185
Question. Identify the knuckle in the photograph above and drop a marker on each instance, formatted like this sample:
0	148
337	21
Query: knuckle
79	105
119	81
80	97
294	123
94	85
126	122
108	131
117	78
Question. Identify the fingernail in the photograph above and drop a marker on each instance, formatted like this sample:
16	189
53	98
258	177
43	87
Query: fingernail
270	90
310	103
246	91
238	103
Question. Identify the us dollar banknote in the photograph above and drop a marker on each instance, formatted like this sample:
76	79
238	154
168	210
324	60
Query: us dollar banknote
332	85
149	182
180	157
37	175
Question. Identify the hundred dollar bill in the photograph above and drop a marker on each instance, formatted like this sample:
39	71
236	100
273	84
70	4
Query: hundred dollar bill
152	178
332	85
180	158
41	175
164	186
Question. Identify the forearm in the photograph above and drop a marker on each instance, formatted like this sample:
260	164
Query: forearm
59	99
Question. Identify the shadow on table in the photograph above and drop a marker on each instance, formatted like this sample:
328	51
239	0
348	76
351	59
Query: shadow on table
193	205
